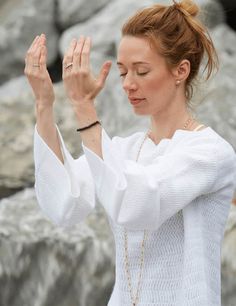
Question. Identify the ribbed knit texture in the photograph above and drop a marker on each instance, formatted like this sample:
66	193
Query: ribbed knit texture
179	190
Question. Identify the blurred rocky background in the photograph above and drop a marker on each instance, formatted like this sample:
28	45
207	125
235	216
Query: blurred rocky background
41	264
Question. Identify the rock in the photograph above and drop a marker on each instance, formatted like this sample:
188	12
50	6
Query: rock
211	12
20	22
42	264
13	88
16	139
230	11
77	11
217	96
17	107
104	28
17	120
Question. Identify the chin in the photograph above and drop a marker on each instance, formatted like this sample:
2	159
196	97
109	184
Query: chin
141	111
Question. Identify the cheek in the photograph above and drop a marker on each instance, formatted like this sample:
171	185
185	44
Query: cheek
159	84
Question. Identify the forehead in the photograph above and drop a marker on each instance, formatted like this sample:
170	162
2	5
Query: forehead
135	48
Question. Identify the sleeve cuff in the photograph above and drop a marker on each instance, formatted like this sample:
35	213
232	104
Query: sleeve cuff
111	162
42	152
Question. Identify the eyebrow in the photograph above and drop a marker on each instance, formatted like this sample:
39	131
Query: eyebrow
135	63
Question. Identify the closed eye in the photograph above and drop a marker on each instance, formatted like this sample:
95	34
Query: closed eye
141	73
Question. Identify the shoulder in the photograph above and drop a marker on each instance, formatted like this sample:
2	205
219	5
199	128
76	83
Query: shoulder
226	155
213	147
223	147
208	148
209	139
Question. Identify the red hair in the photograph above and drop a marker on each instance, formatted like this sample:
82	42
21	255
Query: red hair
176	34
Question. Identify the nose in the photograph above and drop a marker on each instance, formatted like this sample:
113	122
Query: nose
129	83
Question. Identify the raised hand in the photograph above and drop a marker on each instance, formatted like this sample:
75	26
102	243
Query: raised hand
37	73
80	84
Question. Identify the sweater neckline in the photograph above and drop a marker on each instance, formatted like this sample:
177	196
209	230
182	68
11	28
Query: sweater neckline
177	132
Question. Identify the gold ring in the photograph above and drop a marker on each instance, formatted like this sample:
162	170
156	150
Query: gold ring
68	65
36	65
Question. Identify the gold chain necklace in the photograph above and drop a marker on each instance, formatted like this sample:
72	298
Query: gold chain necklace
135	300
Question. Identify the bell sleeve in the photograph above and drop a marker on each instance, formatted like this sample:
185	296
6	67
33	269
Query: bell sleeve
64	192
144	196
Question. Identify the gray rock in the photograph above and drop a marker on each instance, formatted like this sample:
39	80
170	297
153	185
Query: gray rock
17	120
217	109
38	258
211	12
217	96
104	28
20	22
78	11
13	88
42	264
16	131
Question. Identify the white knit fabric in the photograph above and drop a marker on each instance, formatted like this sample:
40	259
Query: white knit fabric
179	190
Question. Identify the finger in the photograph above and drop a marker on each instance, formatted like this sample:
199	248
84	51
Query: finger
35	47
77	53
43	58
29	51
43	39
104	73
34	42
42	52
68	57
35	53
39	42
85	54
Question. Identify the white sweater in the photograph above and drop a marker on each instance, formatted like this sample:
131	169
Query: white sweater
180	190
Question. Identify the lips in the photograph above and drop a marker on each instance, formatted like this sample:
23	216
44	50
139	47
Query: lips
134	100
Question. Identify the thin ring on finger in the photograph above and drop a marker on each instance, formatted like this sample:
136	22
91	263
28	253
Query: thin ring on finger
68	65
68	58
77	52
36	65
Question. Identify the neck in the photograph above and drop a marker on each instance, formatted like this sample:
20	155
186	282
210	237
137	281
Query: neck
164	125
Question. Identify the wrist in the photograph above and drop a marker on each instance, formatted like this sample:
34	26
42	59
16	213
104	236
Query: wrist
40	106
85	108
82	103
85	114
44	115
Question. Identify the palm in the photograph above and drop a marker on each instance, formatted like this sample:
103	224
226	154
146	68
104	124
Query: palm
37	73
79	81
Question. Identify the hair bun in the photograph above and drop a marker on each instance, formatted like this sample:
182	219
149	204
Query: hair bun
188	6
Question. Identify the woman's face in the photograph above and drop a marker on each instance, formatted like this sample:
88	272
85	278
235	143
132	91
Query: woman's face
145	76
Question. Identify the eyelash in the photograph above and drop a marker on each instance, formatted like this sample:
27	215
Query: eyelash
143	73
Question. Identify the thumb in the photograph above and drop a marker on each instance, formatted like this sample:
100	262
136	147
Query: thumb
104	73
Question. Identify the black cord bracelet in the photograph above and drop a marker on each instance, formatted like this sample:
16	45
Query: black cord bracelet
86	127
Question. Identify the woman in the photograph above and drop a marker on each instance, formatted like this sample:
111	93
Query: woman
167	191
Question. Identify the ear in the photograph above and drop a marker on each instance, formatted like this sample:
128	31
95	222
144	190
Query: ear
181	72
